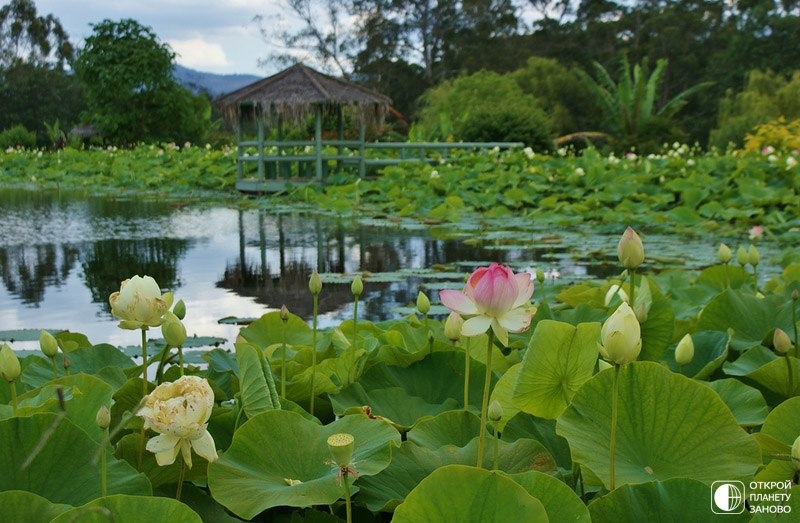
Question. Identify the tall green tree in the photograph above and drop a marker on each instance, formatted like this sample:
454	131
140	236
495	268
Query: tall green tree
28	37
131	93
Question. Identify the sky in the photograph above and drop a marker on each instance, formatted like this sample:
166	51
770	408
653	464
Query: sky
215	36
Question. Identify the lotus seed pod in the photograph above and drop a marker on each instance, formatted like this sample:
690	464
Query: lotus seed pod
284	313
48	344
684	352
741	256
10	368
630	250
103	418
781	341
423	303
796	454
357	287
724	254
752	256
179	310
341	446
495	411
452	326
315	283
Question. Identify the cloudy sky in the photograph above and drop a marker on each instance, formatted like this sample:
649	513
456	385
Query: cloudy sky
216	36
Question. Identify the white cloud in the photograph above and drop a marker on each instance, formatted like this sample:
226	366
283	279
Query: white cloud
199	54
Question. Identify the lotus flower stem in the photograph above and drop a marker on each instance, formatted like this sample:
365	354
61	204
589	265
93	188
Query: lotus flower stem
633	288
353	348
313	349
13	386
180	360
181	475
283	364
496	448
789	370
103	474
613	437
466	373
55	369
144	361
348	507
485	401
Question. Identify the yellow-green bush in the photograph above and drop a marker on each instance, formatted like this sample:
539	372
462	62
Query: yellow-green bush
779	134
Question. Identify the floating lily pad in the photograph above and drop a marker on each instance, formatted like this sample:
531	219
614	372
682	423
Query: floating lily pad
130	509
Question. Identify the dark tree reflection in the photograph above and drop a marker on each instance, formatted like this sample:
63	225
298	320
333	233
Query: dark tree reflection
28	270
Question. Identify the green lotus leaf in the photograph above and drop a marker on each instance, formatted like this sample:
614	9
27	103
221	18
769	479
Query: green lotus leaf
269	329
677	499
468	494
130	509
406	394
668	426
559	500
778	433
525	426
411	463
560	358
657	330
20	506
710	352
255	380
746	403
454	427
767	369
89	360
503	393
61	462
280	458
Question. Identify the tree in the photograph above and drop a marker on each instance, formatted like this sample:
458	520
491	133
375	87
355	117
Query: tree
34	39
631	112
131	93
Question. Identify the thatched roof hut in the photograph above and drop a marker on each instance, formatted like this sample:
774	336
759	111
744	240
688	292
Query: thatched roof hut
296	92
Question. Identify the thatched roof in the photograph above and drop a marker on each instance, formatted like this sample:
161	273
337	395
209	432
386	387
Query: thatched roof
294	92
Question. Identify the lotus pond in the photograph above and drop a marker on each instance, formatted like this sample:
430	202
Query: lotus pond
565	390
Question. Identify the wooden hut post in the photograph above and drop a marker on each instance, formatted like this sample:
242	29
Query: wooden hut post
260	126
239	146
362	149
318	141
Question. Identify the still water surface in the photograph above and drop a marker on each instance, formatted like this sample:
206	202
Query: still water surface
62	255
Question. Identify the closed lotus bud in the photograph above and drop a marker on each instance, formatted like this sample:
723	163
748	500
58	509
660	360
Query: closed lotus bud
540	275
724	254
452	326
357	287
630	250
66	363
341	446
684	352
10	368
179	310
621	336
741	256
781	342
284	313
315	283
48	344
752	256
423	303
795	295
173	330
495	411
796	454
103	418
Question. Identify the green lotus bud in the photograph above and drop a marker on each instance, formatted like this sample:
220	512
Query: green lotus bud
452	326
179	310
357	287
315	283
781	341
540	275
795	295
284	313
342	446
684	352
630	250
796	454
103	418
48	344
173	330
621	336
724	254
752	256
741	256
495	411
10	368
423	303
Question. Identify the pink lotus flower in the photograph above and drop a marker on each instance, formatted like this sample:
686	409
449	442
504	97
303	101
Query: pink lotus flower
495	298
756	232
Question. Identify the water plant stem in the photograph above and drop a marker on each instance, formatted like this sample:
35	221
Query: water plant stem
313	350
181	475
353	348
55	369
633	289
466	373
13	387
613	438
791	377
485	401
180	360
496	449
144	361
348	507
283	364
103	473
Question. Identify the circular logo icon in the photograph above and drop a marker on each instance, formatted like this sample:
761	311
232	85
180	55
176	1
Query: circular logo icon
728	497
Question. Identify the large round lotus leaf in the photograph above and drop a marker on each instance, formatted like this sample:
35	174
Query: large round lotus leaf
678	499
658	329
454	427
270	329
405	394
560	501
89	360
746	403
130	509
63	468
503	393
468	494
411	463
767	369
776	437
668	426
20	506
280	458
750	318
559	359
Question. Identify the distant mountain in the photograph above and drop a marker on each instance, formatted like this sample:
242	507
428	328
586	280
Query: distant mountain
214	84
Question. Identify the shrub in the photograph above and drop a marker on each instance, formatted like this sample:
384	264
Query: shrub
779	134
17	136
509	123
